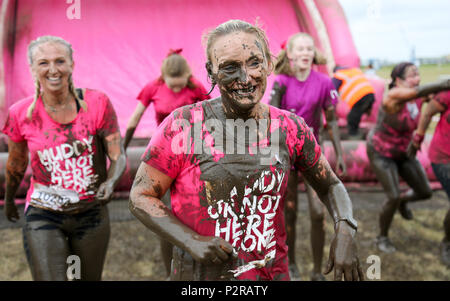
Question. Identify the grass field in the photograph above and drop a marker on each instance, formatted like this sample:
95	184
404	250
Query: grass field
428	73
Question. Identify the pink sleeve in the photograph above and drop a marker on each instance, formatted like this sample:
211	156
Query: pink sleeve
163	151
147	93
330	94
12	128
107	122
444	99
306	149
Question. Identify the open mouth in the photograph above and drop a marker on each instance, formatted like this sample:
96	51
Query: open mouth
244	92
54	79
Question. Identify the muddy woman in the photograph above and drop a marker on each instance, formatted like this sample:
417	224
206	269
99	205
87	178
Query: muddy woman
68	134
227	219
387	145
300	89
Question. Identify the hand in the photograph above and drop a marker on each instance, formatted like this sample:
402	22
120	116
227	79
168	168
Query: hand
341	168
211	250
343	255
104	192
11	212
412	149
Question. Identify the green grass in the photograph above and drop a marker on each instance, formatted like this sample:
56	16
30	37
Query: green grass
428	73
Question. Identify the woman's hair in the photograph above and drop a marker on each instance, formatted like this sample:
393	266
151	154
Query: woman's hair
31	48
399	72
283	66
230	27
175	65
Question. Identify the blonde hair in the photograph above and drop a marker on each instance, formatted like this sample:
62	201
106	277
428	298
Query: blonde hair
283	65
230	27
31	47
175	65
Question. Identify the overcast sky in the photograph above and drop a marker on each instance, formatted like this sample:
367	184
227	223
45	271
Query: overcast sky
389	29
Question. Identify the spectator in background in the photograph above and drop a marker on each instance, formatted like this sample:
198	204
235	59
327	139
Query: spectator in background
357	92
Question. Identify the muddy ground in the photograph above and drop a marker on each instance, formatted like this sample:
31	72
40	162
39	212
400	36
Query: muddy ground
134	253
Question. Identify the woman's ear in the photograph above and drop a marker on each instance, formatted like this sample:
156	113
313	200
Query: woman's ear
208	67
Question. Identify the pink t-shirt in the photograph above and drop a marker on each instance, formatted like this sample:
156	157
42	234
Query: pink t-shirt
393	132
233	190
439	150
65	162
308	99
165	100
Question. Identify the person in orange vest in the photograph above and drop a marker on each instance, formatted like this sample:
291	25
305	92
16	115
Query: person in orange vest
355	89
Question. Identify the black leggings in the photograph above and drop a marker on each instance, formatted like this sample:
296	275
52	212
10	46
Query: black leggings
50	237
387	171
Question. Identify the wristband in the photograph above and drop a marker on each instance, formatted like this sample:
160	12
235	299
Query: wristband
350	221
417	138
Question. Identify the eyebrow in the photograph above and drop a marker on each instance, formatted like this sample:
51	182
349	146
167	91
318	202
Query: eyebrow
56	58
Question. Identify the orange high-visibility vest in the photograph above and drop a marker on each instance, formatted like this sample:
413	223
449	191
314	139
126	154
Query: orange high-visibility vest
355	85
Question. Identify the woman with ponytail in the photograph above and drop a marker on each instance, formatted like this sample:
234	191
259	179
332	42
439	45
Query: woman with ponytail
176	87
68	134
387	145
307	93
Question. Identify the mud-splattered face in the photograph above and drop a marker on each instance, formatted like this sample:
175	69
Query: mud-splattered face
177	83
52	66
411	78
240	69
301	53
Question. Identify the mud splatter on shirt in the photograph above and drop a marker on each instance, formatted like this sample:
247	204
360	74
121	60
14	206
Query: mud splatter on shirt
231	187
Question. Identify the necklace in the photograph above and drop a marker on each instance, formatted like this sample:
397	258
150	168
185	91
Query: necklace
56	109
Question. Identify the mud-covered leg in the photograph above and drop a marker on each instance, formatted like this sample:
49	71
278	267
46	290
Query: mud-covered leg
290	212
387	174
317	216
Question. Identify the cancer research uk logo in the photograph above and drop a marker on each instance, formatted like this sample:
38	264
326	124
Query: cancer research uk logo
235	136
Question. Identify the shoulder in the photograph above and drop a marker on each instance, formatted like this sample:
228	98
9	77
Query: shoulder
321	77
283	78
20	107
189	112
287	119
154	85
94	96
444	98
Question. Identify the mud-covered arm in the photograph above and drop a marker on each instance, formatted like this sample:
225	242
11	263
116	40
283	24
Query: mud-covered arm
16	166
331	192
397	96
133	123
276	94
118	162
343	254
432	108
333	131
149	186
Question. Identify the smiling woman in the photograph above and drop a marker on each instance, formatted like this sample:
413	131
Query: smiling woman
226	220
68	145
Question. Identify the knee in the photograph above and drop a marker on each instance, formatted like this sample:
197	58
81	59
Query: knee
425	194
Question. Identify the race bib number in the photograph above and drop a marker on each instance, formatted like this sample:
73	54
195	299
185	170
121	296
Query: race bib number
53	197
